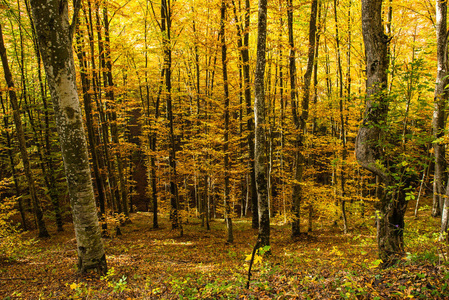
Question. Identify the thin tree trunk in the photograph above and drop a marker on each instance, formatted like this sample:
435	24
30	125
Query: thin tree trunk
22	143
113	116
11	162
90	130
166	41
342	121
300	122
249	112
260	124
228	216
115	197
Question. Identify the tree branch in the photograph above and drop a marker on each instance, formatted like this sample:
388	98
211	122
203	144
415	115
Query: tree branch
76	9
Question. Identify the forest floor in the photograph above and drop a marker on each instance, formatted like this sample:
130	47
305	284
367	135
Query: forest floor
145	263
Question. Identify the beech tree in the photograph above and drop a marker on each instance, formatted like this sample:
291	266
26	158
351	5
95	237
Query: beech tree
55	35
260	154
439	114
369	148
438	122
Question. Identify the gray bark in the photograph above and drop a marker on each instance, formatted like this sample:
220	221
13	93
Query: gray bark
441	96
439	118
55	44
260	154
392	205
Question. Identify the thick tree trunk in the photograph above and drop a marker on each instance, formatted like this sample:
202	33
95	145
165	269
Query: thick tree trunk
439	118
22	143
439	115
55	43
260	154
391	207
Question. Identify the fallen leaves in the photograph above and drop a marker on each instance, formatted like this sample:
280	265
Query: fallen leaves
158	264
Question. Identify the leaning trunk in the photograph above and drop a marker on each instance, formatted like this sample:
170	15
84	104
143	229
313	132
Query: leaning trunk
22	143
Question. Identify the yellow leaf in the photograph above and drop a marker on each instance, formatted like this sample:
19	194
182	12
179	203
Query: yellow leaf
257	259
73	286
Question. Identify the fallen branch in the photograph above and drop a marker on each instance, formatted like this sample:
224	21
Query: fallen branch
256	246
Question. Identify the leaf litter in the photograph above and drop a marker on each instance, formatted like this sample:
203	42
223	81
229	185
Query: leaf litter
145	263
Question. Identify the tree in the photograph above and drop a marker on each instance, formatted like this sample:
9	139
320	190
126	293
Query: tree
228	216
260	154
300	122
369	150
439	118
55	43
22	143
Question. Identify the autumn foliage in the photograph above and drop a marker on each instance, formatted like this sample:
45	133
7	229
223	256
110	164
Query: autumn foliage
167	96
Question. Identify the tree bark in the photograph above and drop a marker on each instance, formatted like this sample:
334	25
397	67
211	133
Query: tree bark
13	168
260	154
55	44
439	118
300	121
22	143
392	205
244	52
439	115
123	193
90	130
166	43
228	216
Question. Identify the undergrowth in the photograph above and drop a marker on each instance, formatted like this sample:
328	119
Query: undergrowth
159	264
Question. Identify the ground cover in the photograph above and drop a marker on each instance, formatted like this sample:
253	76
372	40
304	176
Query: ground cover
158	264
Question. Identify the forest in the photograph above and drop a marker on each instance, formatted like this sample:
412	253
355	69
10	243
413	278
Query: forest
224	149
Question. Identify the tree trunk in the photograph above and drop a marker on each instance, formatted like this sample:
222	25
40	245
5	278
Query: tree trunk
439	115
260	123
342	121
112	180
90	130
391	207
228	217
13	168
123	193
439	118
166	41
300	122
22	143
250	123
55	43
